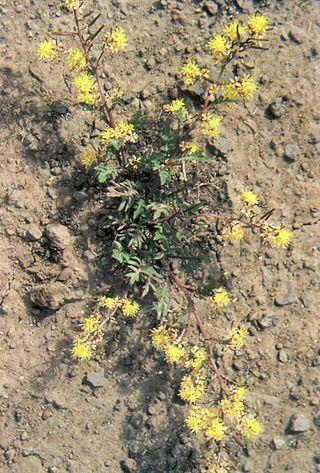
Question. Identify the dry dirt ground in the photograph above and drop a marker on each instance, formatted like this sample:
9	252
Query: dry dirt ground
120	413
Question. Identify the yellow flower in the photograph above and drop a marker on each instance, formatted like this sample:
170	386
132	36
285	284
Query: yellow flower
191	389
109	302
280	236
210	124
249	198
47	50
196	363
191	72
84	85
258	25
174	353
81	350
194	421
230	91
159	336
247	86
117	39
188	146
215	430
123	131
221	297
250	427
130	308
236	338
217	465
234	29
219	46
72	4
76	59
239	394
232	409
176	106
213	89
88	157
233	232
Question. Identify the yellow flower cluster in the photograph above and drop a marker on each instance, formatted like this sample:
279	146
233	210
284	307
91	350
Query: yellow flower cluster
81	349
210	124
250	427
91	324
199	357
190	72
215	429
72	4
129	307
258	25
47	50
236	338
233	406
76	59
174	353
159	336
84	84
191	388
249	198
244	87
233	232
117	39
176	106
123	131
88	157
195	420
234	30
219	46
279	236
217	465
188	146
221	297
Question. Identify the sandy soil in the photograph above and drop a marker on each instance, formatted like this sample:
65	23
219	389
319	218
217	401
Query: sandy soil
120	413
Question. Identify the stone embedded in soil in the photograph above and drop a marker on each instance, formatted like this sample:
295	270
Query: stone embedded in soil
299	423
297	34
283	356
277	443
289	298
265	322
95	380
292	152
59	236
50	296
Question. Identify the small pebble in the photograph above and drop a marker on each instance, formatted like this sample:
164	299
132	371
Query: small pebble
299	423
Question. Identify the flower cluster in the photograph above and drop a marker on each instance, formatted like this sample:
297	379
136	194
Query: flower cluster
244	87
236	338
234	30
84	346
173	352
123	131
84	84
258	25
278	236
72	4
76	60
221	297
233	232
117	39
88	157
47	50
188	147
191	388
191	72
129	307
249	198
210	124
219	47
176	107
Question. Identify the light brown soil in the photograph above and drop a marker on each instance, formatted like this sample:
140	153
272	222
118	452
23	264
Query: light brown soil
52	419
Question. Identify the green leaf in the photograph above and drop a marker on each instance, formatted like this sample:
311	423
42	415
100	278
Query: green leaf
163	177
140	209
105	173
133	277
116	144
183	319
148	270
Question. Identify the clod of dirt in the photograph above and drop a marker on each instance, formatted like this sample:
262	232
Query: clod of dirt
33	232
289	298
299	423
59	236
277	443
50	296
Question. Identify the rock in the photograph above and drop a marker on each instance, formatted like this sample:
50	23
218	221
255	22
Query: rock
33	232
297	34
136	420
127	466
292	152
96	380
134	449
50	296
299	423
58	235
59	107
211	8
145	93
277	109
283	356
277	443
287	299
10	454
265	322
